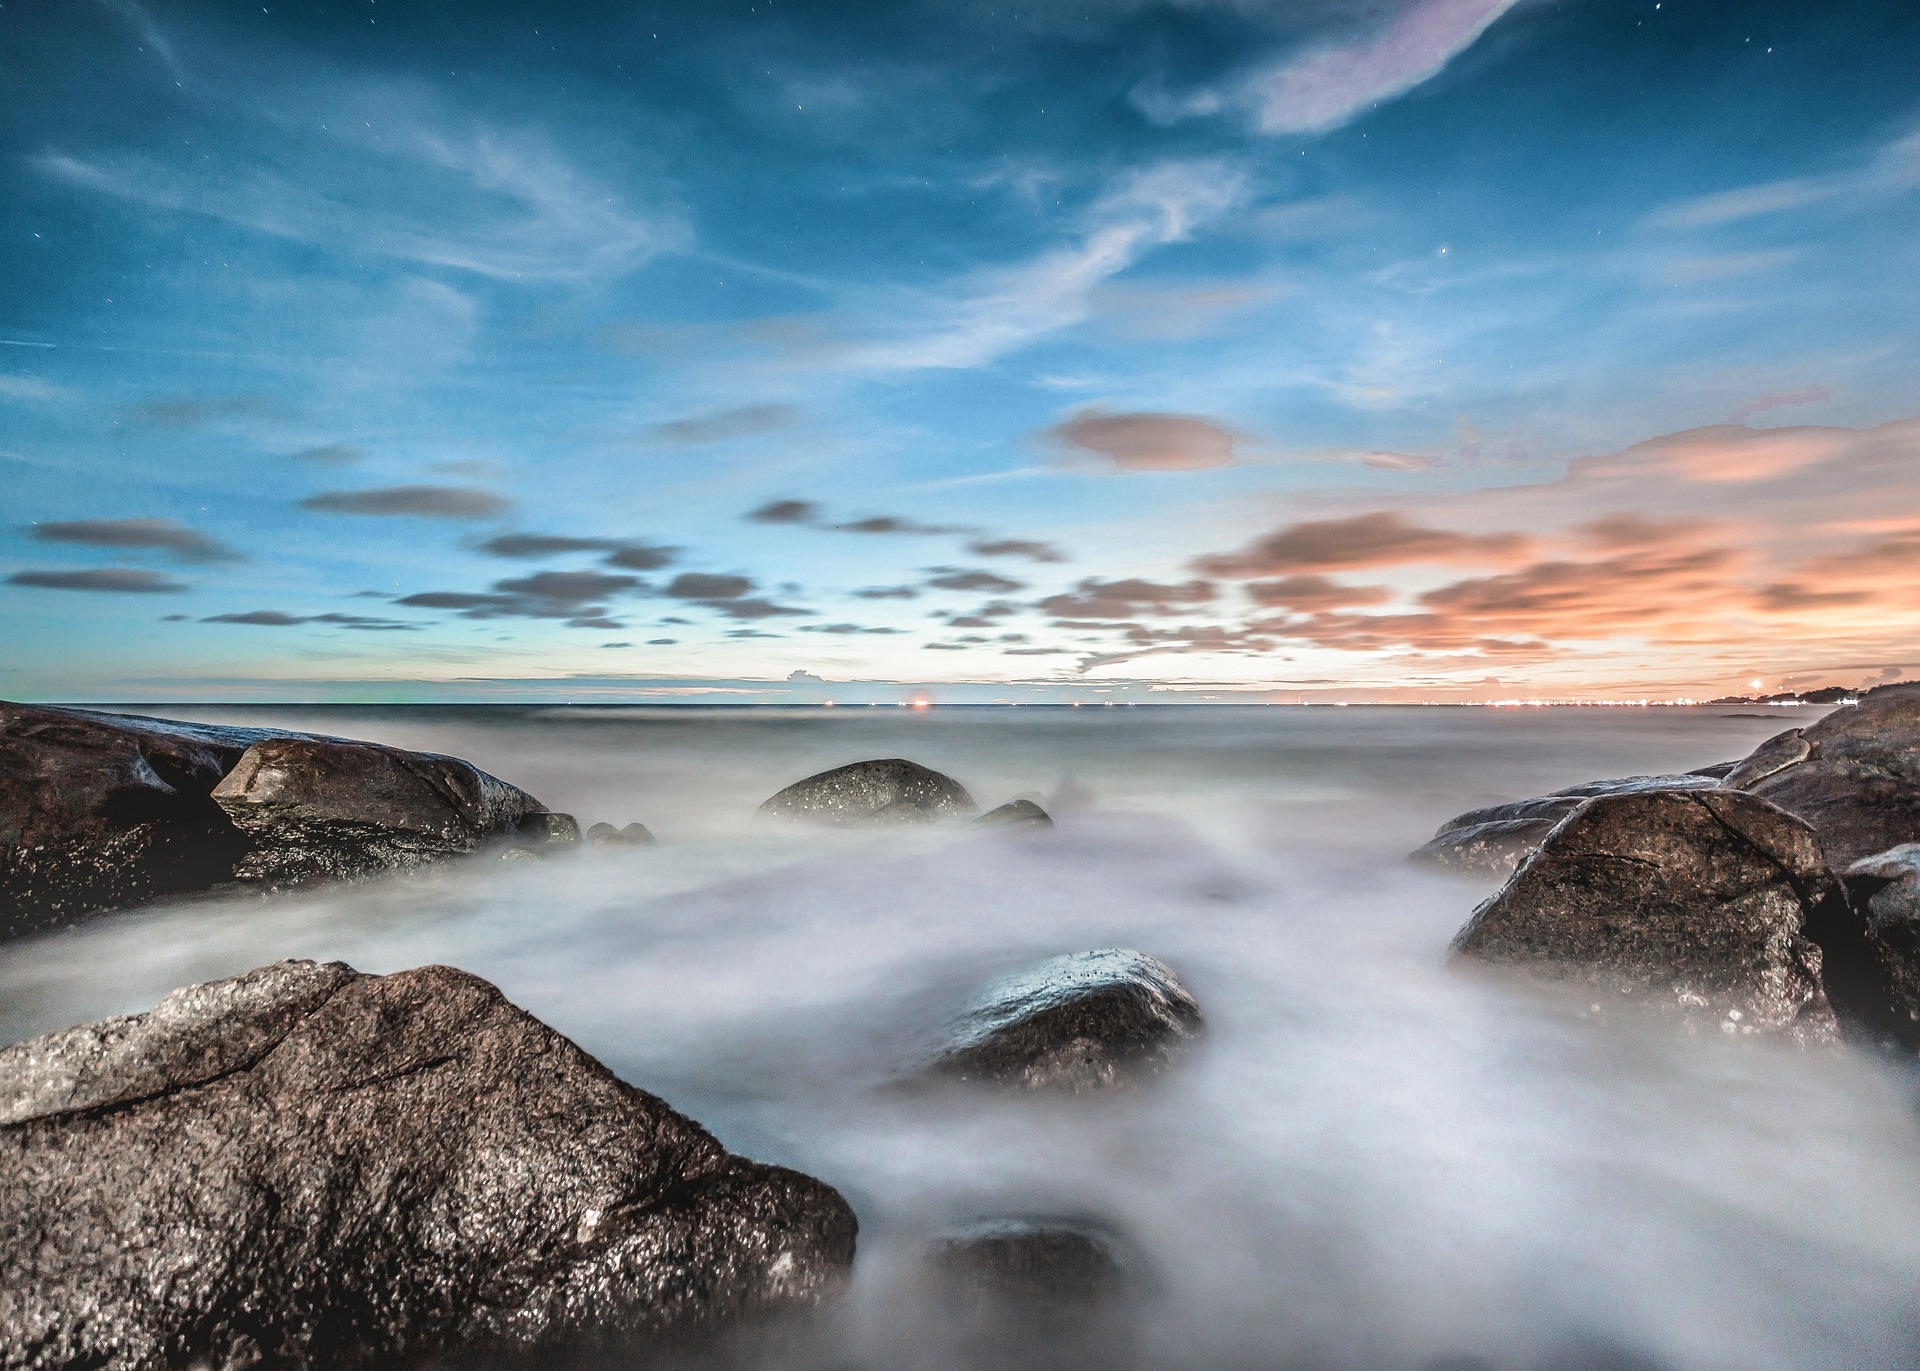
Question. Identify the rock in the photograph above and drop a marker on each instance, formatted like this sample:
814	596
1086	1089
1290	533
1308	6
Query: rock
1719	771
1085	1021
1885	890
102	811
1495	839
331	808
633	835
309	1167
1023	1261
892	790
1854	775
546	827
1701	902
1017	814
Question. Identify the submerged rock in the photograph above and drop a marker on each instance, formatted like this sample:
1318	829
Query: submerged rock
1696	901
102	811
1497	838
309	1167
1023	1261
633	835
889	790
1085	1021
317	808
1854	775
1018	814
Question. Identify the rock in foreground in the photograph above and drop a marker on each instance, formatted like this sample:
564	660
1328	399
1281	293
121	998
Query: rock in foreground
1885	890
309	1167
1498	838
1085	1021
886	791
1694	901
315	808
1854	775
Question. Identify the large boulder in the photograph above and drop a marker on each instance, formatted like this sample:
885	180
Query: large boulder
1703	903
1086	1021
1885	890
1498	838
101	811
1854	775
309	1167
327	807
886	791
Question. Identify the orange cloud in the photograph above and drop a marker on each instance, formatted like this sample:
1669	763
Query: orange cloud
1149	442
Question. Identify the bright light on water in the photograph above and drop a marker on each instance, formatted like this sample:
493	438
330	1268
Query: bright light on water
1374	1161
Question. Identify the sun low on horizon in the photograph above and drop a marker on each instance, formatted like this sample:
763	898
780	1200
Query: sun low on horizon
1455	350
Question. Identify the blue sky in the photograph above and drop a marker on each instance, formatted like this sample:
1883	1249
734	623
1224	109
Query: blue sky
1383	349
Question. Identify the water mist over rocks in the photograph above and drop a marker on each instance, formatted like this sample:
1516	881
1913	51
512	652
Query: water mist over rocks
1370	1160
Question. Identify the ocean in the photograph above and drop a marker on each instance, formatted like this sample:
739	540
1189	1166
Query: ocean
1376	1159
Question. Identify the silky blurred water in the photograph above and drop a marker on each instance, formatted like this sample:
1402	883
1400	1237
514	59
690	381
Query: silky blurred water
1374	1161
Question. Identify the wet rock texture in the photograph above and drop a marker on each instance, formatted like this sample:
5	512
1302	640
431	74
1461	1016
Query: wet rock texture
1496	839
1854	775
1017	814
309	1167
1885	891
316	808
886	791
1699	902
101	811
1086	1021
1020	1261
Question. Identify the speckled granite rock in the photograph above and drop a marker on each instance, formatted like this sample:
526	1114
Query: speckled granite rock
1497	838
320	808
1854	775
1698	902
307	1167
1085	1021
102	811
886	791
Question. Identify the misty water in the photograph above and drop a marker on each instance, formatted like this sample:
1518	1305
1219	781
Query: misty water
1375	1160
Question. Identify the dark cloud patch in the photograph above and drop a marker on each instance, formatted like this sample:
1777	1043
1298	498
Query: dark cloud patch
784	512
641	557
889	523
752	609
1037	652
175	618
1148	442
420	502
887	593
605	645
752	633
1094	598
570	587
572	596
944	647
670	619
843	629
744	422
330	455
663	642
960	578
626	553
1366	540
113	580
594	621
196	411
701	585
264	618
162	535
273	618
1032	550
1308	593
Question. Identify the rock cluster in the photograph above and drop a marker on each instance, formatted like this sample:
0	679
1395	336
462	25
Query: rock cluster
309	1167
105	811
1715	895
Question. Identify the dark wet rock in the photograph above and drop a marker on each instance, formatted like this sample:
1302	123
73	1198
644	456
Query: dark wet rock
319	808
1885	891
548	828
890	790
1085	1021
102	811
1496	838
307	1167
633	835
1028	1261
1854	775
1719	771
1018	814
1703	902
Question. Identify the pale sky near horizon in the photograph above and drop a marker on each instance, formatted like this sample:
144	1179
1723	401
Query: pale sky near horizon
1387	349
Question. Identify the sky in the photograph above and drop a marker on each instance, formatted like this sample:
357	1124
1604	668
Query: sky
1176	350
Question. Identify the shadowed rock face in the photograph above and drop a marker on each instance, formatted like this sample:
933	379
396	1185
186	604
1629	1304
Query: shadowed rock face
1854	775
1497	838
310	1167
1885	890
327	807
1699	902
102	811
1085	1021
1017	814
887	791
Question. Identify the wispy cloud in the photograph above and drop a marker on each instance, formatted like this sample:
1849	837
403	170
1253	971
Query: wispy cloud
421	502
117	580
1893	170
163	535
